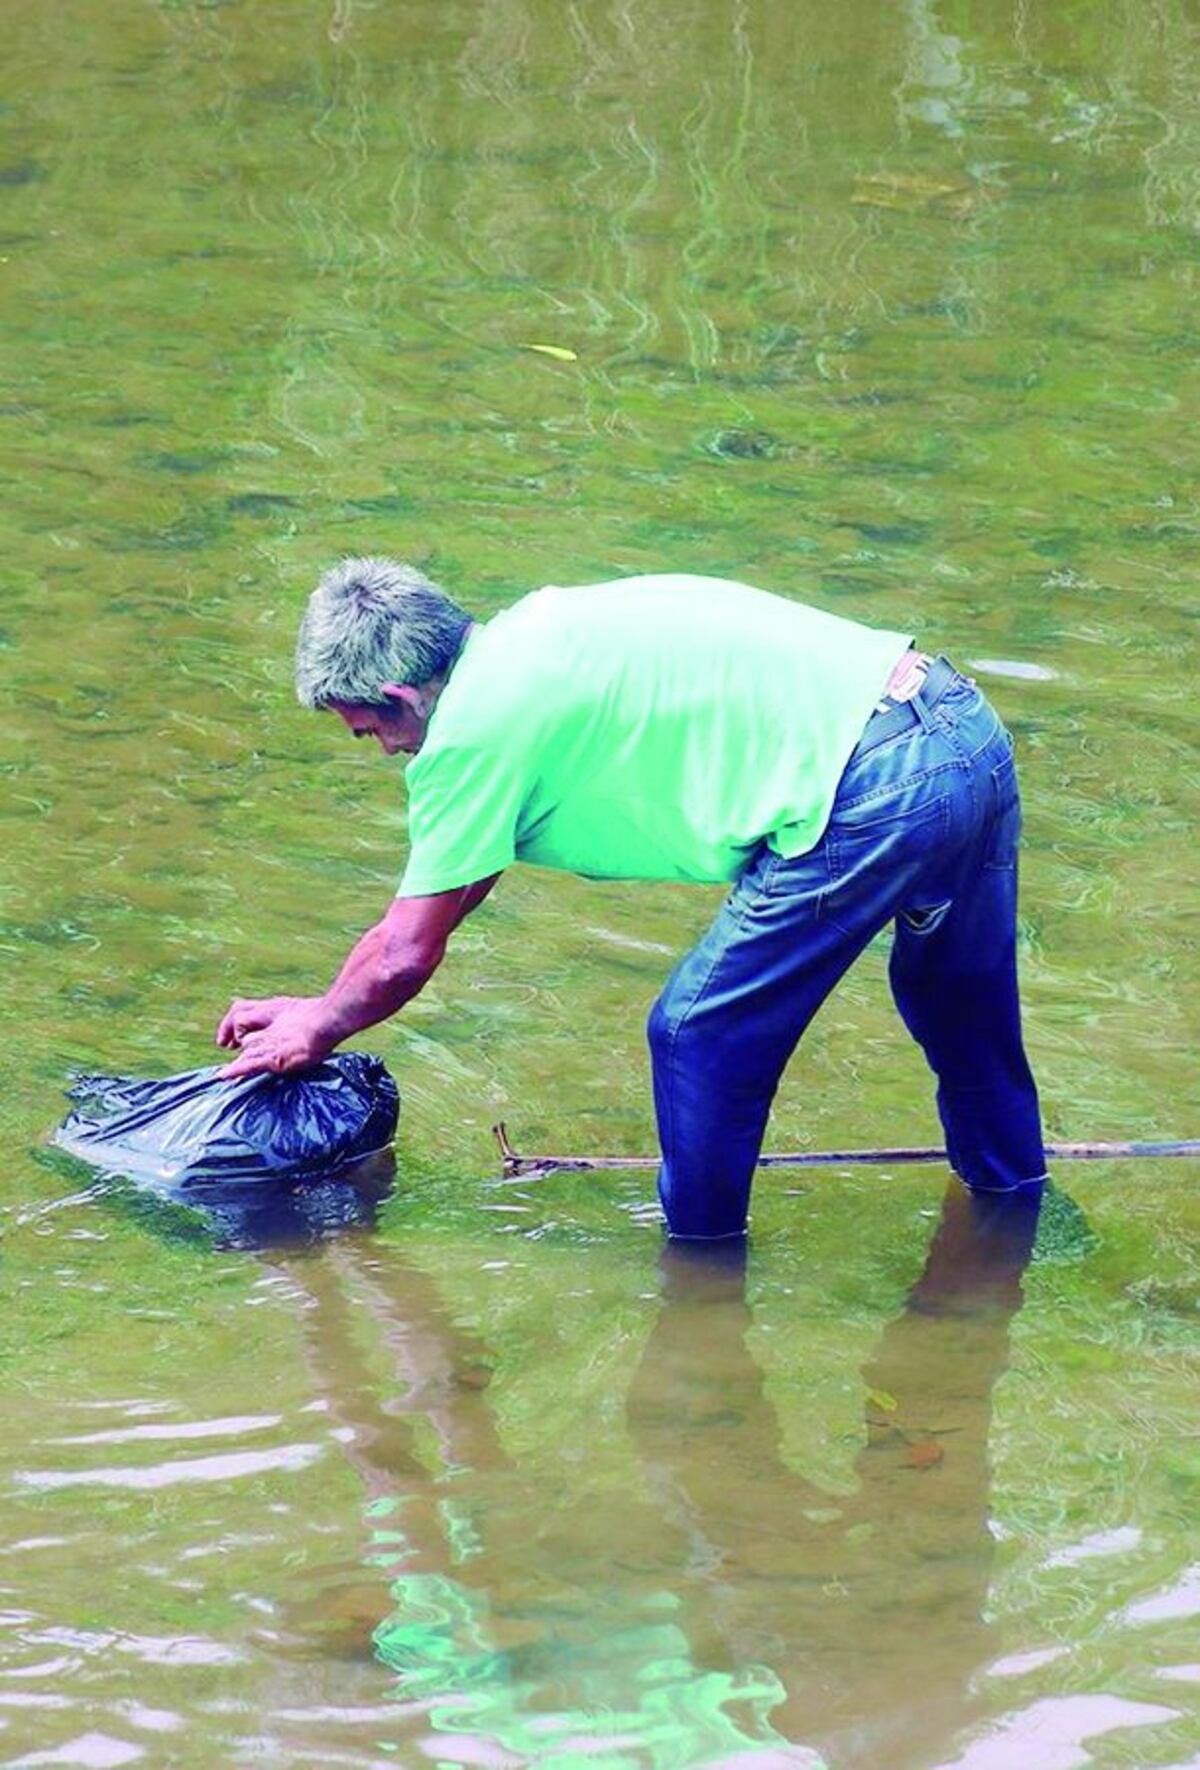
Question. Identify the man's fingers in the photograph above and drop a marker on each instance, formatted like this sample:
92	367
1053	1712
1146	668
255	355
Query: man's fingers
268	1037
234	1022
242	1066
261	1054
242	1018
254	1062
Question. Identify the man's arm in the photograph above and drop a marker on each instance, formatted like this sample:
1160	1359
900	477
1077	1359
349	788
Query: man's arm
396	958
392	962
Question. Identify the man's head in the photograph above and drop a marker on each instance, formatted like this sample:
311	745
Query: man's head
376	644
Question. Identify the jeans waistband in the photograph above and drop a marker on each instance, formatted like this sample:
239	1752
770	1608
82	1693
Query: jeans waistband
903	714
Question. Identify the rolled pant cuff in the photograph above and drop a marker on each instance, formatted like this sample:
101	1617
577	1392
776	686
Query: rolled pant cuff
1017	1185
723	1235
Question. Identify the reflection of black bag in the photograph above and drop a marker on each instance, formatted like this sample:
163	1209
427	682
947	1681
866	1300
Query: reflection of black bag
196	1127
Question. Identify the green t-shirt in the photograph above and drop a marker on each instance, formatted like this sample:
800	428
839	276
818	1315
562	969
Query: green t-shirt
649	728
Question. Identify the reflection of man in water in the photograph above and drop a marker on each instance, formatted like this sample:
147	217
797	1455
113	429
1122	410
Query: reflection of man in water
690	728
734	1588
869	1607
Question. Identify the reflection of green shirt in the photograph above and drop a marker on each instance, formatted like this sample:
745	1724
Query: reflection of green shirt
648	728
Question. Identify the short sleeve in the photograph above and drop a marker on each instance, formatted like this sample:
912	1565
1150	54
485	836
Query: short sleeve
464	803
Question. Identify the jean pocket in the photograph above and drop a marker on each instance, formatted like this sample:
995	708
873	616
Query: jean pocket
888	835
804	876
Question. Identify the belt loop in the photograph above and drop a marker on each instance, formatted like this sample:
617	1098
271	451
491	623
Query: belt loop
923	713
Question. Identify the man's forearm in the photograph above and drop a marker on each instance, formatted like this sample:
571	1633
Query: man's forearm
385	969
395	960
379	976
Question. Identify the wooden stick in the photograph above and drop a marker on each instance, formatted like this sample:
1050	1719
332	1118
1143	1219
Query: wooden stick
515	1165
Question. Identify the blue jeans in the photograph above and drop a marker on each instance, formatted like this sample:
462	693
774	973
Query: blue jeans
923	833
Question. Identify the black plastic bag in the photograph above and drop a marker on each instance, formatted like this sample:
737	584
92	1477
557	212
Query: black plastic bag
277	1216
197	1127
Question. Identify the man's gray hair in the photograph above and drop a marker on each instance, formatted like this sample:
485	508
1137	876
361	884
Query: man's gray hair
371	621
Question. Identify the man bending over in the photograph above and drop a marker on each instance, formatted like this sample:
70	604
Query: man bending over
679	727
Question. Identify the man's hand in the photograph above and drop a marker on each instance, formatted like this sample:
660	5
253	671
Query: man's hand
279	1034
385	969
243	1016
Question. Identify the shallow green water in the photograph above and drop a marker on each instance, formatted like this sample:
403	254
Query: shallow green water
889	307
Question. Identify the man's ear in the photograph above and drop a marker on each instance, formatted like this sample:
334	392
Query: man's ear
403	697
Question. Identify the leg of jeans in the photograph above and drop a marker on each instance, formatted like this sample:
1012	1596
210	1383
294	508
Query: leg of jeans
954	976
723	1029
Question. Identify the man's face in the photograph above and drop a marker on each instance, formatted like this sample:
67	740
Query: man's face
399	725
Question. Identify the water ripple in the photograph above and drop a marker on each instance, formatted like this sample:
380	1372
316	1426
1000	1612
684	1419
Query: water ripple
288	1457
1050	1734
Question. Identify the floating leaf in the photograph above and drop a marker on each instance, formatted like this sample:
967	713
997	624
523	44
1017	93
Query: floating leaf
559	352
953	197
926	1453
881	1399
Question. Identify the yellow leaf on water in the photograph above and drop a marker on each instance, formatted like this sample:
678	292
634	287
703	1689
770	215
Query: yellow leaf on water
559	352
881	1399
915	191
